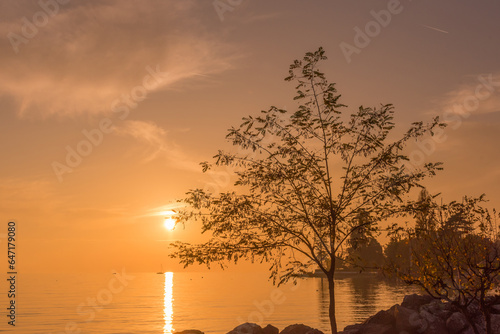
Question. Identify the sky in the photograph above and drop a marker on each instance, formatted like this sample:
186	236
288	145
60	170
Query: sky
107	107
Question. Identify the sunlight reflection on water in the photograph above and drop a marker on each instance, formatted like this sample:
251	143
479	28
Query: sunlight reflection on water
168	304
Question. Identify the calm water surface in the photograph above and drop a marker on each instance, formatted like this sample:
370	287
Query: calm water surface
213	302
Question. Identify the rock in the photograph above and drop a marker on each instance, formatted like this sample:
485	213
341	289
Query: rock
189	331
247	328
425	315
300	329
438	308
413	302
407	320
383	318
469	330
432	324
495	309
457	323
492	300
495	323
352	329
381	323
418	323
270	329
379	329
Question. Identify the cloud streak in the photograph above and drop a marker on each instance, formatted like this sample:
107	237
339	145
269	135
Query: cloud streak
435	29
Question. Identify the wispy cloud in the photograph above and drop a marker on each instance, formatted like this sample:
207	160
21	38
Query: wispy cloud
479	95
91	53
148	133
162	210
157	143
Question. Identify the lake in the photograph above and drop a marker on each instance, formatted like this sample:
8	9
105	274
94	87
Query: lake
214	302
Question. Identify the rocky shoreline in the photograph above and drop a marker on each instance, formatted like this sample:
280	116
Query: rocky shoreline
416	315
425	315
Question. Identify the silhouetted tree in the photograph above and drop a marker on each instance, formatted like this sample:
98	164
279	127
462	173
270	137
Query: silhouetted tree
397	254
303	181
363	250
368	255
425	214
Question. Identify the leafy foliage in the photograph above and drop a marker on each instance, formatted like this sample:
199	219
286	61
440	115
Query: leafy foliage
457	257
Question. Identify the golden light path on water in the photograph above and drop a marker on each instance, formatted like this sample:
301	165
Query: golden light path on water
168	305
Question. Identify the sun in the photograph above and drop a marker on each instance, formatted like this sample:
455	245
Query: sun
169	223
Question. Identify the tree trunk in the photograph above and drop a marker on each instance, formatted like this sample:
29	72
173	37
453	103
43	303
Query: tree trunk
484	309
465	312
487	317
331	289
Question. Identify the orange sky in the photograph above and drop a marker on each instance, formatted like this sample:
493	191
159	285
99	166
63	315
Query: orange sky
154	85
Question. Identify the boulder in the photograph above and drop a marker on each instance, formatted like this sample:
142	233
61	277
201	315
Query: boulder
495	309
457	323
300	329
425	315
378	329
438	308
381	323
247	328
492	300
417	322
414	301
370	329
495	323
432	324
352	329
468	330
270	329
407	320
382	318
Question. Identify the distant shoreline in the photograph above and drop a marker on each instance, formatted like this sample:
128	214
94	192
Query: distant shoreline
341	272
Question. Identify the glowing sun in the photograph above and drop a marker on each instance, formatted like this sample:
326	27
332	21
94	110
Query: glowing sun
169	222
